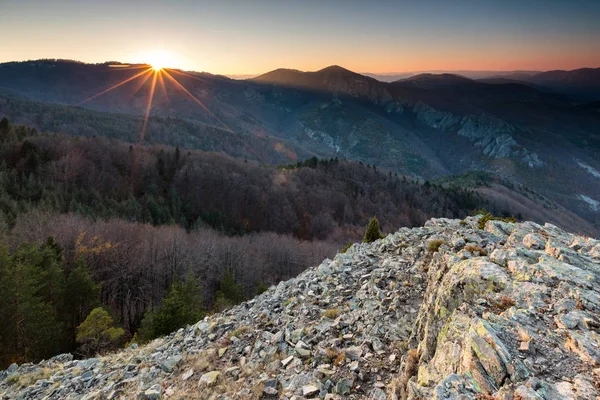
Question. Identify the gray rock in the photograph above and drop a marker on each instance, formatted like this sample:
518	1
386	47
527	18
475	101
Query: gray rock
209	378
153	393
309	390
344	386
170	363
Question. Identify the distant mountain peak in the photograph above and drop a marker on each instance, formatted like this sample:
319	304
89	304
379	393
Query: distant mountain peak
437	79
336	68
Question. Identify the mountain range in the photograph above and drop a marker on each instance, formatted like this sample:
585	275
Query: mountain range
538	131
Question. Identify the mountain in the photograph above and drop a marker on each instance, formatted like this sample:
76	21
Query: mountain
472	74
333	79
428	126
435	80
582	84
448	310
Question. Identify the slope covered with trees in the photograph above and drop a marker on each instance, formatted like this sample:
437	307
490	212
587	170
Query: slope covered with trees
146	231
314	199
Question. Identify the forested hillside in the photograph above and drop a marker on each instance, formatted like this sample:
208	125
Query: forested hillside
314	199
145	231
427	127
167	130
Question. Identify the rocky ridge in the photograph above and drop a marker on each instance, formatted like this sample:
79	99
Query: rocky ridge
444	311
492	135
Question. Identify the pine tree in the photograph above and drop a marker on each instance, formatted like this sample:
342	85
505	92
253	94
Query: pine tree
373	231
181	306
30	289
81	296
230	289
4	125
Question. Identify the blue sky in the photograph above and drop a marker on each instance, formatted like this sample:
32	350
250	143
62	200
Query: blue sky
237	37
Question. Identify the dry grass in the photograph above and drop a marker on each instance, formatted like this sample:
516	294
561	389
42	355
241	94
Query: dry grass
434	245
240	331
203	361
24	380
411	368
474	248
503	303
412	363
339	359
228	386
524	335
332	313
335	356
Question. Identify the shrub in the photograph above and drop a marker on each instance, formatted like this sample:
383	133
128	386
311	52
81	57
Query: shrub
261	288
332	313
97	332
434	245
373	231
504	303
489	217
346	247
473	248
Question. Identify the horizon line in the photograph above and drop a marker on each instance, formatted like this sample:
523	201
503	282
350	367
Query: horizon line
295	69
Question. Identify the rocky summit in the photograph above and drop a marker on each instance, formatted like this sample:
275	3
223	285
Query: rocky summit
444	311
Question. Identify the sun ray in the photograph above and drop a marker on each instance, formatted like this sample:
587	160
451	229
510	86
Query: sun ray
112	88
148	107
161	82
128	68
180	86
141	84
186	74
196	100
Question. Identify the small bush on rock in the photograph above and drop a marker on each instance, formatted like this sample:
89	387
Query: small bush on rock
434	245
332	313
489	217
373	231
346	247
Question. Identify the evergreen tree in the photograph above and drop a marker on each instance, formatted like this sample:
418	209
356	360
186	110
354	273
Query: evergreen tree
181	306
230	289
4	125
229	293
29	286
373	231
98	333
81	295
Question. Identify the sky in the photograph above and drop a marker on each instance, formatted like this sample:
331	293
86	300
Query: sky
255	36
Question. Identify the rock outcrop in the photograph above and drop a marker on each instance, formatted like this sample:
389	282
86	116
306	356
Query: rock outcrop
490	134
438	312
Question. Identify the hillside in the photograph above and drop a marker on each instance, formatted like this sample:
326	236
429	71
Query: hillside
443	311
427	126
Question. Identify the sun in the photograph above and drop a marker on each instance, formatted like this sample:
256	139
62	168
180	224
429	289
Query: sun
160	60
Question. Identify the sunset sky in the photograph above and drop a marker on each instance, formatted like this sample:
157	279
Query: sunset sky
255	36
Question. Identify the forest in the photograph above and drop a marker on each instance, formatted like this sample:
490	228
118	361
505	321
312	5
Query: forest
145	239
